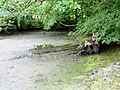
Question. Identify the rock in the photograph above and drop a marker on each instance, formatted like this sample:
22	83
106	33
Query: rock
89	47
118	63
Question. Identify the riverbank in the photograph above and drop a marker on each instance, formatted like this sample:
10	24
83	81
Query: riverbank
22	70
94	72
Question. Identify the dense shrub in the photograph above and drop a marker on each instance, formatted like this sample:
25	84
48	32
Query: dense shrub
19	14
104	19
84	17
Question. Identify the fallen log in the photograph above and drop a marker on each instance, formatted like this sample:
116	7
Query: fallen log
48	48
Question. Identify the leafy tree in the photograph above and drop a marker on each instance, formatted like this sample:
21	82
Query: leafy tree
60	12
84	16
105	19
19	14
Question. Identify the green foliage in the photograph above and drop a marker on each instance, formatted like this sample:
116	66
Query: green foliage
84	16
88	16
105	20
105	23
19	14
62	12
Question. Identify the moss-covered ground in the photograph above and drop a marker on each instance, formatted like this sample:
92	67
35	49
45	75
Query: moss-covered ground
88	72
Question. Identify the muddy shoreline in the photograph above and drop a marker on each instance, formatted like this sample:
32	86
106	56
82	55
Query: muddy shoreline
20	70
23	70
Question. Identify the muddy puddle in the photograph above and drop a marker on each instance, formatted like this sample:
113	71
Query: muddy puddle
21	70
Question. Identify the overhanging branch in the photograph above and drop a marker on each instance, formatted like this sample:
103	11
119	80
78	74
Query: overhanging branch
68	25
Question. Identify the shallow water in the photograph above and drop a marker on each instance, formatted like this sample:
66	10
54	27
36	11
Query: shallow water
20	70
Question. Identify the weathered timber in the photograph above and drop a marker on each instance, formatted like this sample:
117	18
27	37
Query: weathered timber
48	49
